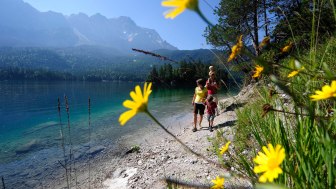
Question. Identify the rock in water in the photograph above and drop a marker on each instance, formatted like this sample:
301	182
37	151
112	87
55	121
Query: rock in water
95	150
28	147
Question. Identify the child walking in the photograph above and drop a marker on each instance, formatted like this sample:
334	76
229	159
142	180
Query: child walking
211	111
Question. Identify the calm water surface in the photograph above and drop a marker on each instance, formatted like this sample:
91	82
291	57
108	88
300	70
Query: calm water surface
29	118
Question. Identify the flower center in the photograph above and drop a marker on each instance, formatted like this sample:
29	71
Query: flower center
142	107
272	163
192	4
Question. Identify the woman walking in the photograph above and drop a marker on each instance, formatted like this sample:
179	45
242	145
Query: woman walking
198	102
213	86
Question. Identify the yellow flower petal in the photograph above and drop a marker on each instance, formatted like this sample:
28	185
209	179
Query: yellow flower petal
172	3
138	104
147	91
224	148
287	48
218	183
265	41
293	73
129	104
138	92
269	163
260	169
333	84
262	179
126	116
134	97
235	51
180	6
327	92
174	12
257	72
271	149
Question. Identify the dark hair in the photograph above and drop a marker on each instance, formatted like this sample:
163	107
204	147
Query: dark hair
210	98
199	81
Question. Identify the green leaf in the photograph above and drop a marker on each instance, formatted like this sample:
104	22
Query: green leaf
270	186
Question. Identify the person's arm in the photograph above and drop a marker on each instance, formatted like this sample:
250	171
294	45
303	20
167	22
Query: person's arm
206	95
217	86
207	83
193	100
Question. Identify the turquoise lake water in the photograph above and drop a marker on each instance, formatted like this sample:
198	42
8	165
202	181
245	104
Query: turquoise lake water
30	126
28	112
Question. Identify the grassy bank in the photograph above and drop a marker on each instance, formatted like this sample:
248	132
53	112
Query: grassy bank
285	113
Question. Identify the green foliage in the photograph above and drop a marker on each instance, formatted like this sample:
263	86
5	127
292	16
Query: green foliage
305	22
135	148
239	17
185	73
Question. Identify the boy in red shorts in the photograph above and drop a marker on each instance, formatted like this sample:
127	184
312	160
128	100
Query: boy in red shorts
211	106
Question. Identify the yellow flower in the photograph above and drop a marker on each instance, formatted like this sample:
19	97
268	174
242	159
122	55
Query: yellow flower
180	6
269	162
295	72
287	48
328	91
236	49
218	183
264	42
258	70
224	148
139	103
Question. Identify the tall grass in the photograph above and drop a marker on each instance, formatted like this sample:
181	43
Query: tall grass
284	114
306	129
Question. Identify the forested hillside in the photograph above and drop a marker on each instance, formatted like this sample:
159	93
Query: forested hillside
87	63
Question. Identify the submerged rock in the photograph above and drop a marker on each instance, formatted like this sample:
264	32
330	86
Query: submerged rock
28	147
95	150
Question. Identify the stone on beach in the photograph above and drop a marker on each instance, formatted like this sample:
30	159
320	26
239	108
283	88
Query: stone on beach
120	178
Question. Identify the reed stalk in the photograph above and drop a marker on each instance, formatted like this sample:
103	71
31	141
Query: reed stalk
62	142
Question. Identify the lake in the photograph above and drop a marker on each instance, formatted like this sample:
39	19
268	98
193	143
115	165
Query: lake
31	128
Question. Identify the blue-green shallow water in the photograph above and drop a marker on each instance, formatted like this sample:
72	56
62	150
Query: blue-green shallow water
30	125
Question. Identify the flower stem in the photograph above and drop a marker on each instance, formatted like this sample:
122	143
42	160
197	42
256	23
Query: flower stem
178	140
199	12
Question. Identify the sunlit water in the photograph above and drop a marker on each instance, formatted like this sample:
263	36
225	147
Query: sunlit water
30	125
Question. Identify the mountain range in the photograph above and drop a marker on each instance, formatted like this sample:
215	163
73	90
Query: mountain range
21	25
36	44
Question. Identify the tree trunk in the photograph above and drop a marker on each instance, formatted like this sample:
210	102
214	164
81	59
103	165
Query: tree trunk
265	18
255	27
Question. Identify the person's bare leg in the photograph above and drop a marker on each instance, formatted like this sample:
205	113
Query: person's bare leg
217	110
210	125
200	121
195	121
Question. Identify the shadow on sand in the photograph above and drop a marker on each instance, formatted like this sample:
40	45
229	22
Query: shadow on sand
221	125
234	106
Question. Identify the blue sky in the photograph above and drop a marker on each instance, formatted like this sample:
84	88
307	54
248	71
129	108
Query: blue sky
184	32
